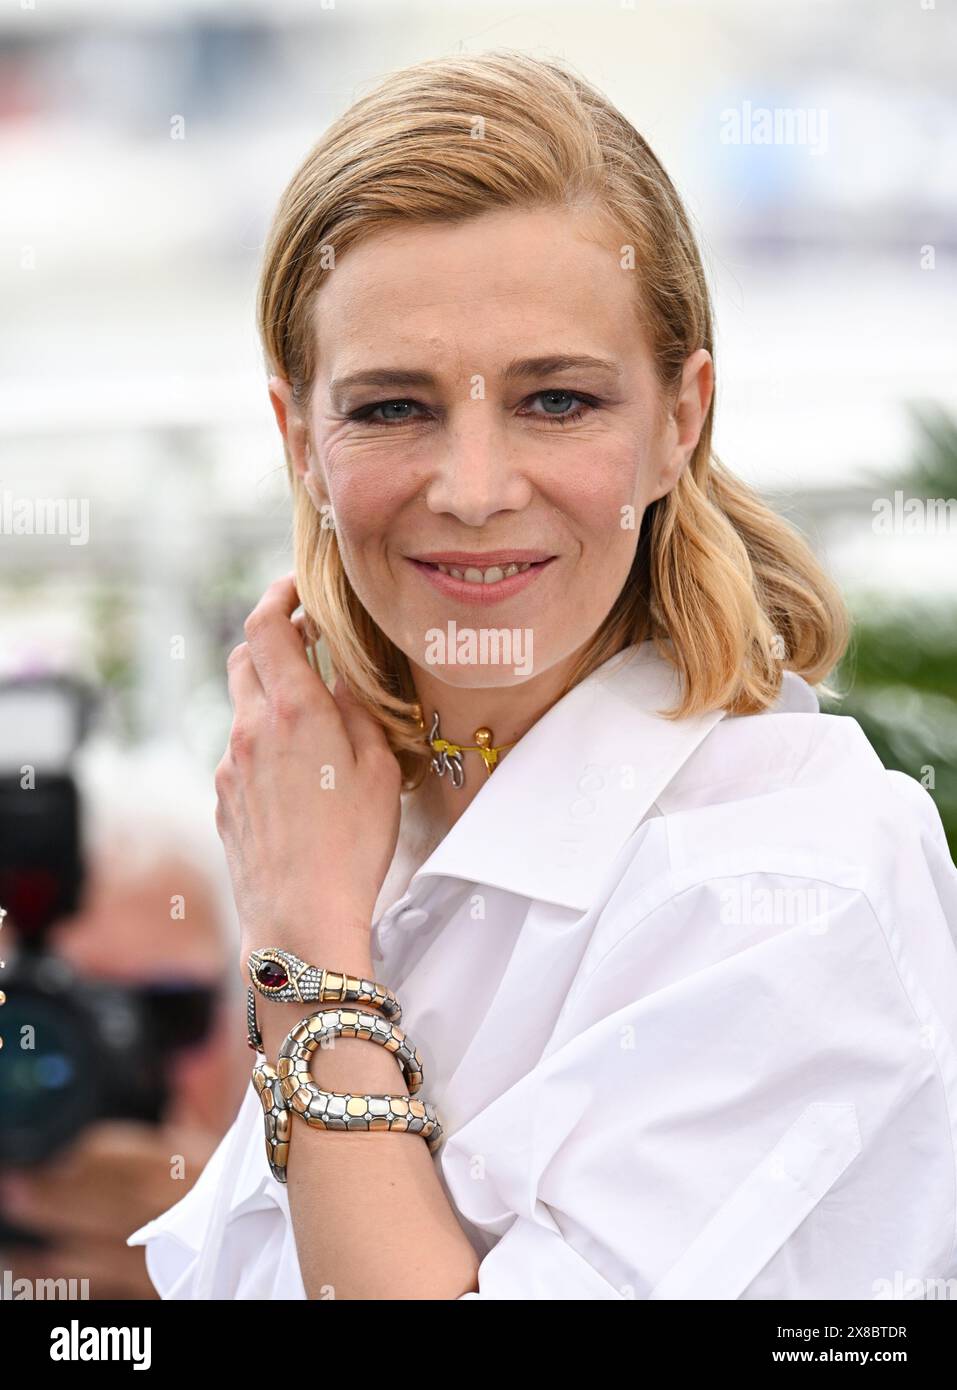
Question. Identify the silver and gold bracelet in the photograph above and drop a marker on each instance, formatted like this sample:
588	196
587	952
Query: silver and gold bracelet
280	975
288	1088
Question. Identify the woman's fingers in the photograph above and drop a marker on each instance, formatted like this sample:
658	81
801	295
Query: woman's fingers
366	734
277	649
307	629
245	687
273	659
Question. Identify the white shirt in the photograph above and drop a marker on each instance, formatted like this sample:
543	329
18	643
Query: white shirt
686	998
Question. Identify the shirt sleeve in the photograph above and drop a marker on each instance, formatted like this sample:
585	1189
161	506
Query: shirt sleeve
748	1095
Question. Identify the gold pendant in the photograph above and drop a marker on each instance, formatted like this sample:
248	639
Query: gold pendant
448	756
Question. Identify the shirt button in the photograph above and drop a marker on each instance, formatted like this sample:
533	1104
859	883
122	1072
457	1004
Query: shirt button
412	917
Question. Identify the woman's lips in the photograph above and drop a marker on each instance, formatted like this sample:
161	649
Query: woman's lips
480	594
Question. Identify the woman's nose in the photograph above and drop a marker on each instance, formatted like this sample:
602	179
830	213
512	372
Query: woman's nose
478	471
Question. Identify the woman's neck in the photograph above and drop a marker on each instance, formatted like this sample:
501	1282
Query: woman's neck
509	711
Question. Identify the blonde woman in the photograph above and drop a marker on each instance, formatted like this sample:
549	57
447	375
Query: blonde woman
672	948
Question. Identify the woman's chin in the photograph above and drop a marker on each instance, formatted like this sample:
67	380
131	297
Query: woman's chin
464	677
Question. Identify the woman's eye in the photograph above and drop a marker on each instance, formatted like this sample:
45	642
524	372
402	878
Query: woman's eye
554	414
555	410
367	412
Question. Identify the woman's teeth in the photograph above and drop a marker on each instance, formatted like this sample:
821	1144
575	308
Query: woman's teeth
477	576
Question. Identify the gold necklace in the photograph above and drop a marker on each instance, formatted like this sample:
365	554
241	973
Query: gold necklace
448	755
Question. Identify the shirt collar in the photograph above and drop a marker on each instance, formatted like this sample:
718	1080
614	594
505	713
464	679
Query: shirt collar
549	821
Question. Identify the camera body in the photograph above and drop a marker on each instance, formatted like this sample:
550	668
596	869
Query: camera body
76	1050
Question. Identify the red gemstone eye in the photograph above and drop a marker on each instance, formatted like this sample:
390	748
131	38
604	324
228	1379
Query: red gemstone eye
271	975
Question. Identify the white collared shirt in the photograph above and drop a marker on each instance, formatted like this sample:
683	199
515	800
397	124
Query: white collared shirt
686	998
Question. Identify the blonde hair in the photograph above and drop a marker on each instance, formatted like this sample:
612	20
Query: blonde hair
729	592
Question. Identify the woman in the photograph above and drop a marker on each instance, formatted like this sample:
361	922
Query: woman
671	946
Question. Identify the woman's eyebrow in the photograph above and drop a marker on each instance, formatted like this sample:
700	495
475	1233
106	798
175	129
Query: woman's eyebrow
384	377
389	378
559	362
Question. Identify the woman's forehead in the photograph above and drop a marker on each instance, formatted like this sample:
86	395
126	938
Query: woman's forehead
457	262
451	293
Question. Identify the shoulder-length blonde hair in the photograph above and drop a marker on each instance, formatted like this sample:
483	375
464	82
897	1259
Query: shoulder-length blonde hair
728	591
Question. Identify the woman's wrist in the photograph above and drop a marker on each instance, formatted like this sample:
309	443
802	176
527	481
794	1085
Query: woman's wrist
342	1064
344	951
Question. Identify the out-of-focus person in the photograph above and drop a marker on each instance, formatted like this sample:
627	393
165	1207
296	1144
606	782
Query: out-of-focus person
142	957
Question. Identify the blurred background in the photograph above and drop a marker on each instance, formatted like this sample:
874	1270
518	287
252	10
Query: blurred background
143	147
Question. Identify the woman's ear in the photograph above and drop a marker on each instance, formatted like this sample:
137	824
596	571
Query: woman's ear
319	501
684	420
295	433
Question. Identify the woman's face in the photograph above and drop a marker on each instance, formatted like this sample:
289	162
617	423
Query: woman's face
485	399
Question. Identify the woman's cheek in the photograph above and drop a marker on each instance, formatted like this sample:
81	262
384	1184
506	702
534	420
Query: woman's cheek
600	498
620	495
367	483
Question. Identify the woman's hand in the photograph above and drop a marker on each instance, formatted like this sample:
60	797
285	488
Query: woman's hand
308	790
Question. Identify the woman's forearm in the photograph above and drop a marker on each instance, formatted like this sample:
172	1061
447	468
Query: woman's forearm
370	1215
307	861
